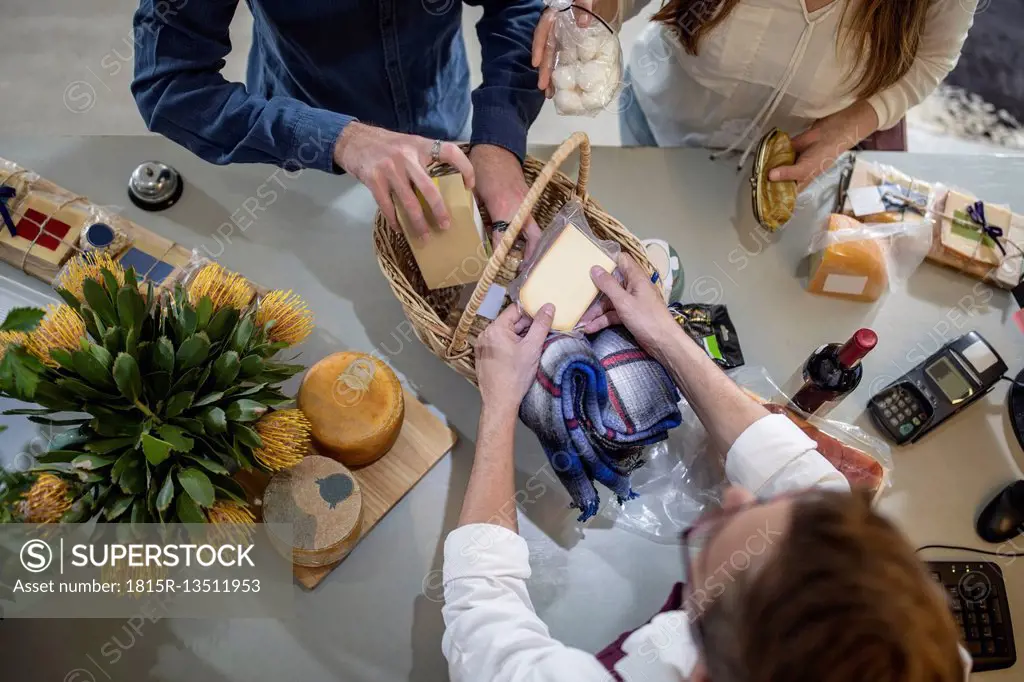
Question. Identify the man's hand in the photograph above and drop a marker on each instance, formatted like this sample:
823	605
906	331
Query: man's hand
502	188
391	164
637	304
819	146
506	363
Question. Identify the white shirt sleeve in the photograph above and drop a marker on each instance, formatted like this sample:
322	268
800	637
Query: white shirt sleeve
492	633
774	456
944	33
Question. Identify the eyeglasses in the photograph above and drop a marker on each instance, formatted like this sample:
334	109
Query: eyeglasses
695	540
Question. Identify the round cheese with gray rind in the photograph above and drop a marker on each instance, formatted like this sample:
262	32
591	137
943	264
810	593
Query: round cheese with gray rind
320	501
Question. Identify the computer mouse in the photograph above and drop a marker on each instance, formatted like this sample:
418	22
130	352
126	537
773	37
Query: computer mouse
1003	517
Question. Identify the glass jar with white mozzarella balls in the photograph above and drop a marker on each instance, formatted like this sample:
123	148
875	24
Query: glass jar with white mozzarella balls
587	71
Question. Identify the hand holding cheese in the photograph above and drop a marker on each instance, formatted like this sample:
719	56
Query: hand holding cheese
456	255
560	275
507	358
638	304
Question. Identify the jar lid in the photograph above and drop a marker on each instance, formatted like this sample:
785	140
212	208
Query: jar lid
154	186
99	235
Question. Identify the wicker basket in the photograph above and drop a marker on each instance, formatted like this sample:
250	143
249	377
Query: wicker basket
451	337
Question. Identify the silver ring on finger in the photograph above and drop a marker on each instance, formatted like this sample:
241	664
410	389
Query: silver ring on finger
435	152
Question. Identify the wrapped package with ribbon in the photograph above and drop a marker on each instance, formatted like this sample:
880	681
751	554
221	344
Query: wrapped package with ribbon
883	233
980	239
43	226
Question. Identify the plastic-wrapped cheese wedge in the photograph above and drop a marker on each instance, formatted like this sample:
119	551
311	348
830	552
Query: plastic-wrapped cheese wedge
562	277
854	270
355	405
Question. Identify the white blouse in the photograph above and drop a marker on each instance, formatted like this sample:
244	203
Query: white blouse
773	63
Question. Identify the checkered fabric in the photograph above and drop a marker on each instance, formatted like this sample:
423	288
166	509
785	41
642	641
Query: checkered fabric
596	403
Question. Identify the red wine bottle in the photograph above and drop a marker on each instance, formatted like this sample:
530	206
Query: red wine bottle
832	372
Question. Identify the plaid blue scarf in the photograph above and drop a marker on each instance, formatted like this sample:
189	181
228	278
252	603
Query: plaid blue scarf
596	403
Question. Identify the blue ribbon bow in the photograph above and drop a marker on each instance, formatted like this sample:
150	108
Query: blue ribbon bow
977	214
7	192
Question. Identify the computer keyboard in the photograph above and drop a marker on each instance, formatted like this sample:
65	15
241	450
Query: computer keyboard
977	596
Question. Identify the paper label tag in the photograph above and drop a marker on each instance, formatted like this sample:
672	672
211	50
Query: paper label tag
491	305
866	201
980	356
845	284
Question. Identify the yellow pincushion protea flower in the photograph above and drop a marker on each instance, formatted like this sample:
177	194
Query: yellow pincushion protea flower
224	288
235	516
11	339
47	500
88	266
61	328
285	436
122	573
224	511
293	321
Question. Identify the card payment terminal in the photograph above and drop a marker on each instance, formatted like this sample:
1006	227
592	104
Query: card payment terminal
955	376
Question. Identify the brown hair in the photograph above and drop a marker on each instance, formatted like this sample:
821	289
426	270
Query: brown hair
843	598
884	35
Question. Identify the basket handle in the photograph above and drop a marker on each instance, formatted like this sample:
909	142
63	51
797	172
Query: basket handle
459	346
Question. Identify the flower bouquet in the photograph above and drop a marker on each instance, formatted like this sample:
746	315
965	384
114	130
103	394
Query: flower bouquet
164	397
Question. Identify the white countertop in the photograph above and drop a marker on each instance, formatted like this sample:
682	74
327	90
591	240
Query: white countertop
377	617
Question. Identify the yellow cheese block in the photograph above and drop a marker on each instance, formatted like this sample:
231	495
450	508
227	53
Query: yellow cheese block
355	405
562	277
854	270
457	255
321	502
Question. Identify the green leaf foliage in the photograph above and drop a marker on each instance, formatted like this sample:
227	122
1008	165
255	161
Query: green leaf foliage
99	301
176	436
163	355
128	377
221	324
193	351
20	374
243	334
226	369
197	485
178	403
22	320
166	495
214	420
156	450
189	511
245	410
92	370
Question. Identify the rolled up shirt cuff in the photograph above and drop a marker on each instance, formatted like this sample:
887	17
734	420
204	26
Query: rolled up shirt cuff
483	550
773	456
313	138
500	127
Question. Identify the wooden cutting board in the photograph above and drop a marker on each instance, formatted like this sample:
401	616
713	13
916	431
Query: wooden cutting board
421	444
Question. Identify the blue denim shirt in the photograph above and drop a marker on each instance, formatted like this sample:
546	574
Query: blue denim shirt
315	65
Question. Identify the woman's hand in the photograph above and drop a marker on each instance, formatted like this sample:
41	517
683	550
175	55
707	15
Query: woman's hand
818	147
543	56
636	303
507	359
